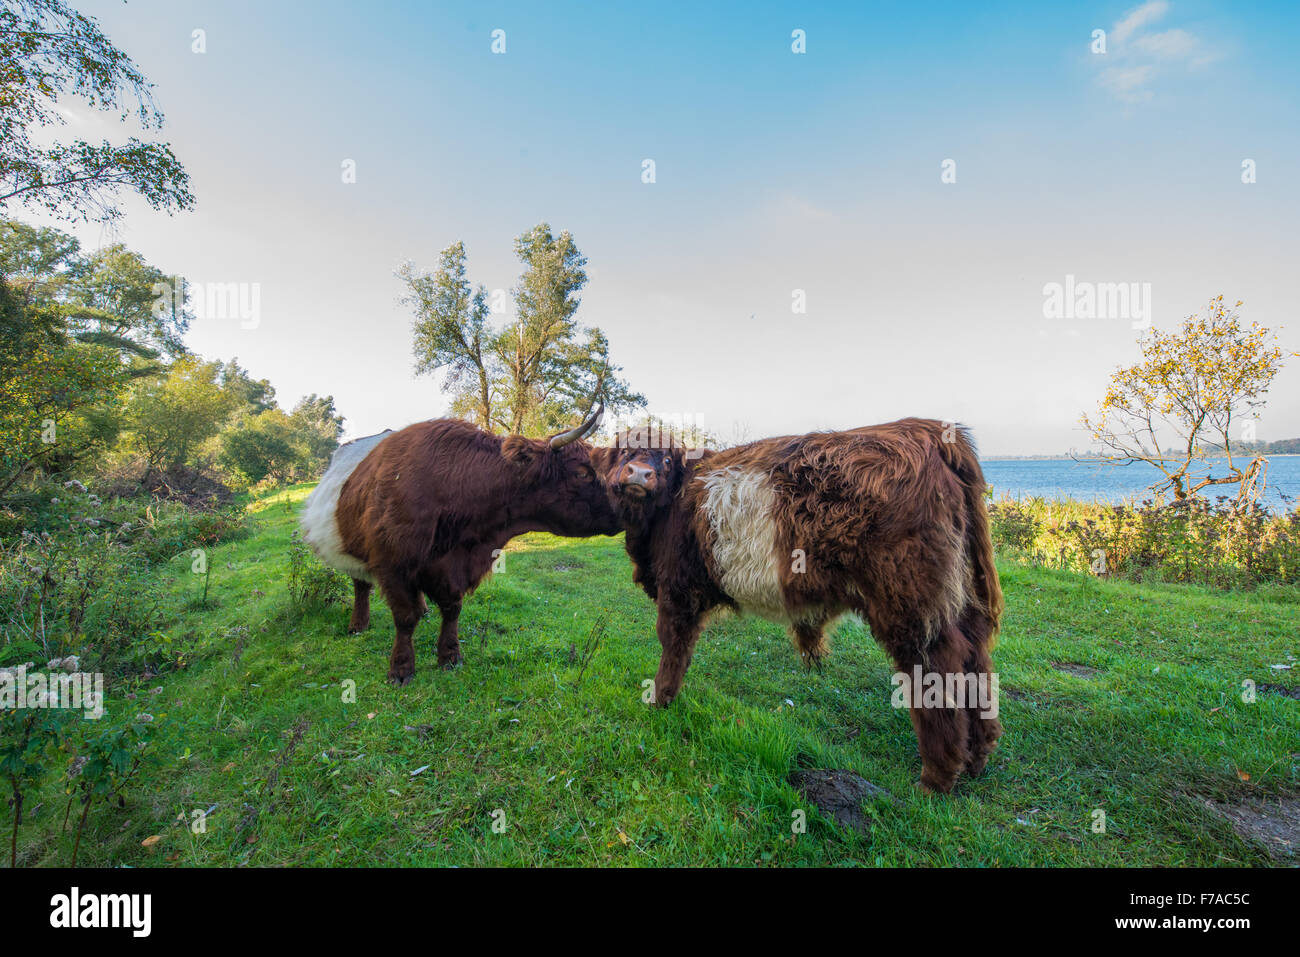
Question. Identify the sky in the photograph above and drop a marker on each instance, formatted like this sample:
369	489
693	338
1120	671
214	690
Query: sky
916	178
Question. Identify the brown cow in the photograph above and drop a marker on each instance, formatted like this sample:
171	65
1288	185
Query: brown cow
425	511
886	521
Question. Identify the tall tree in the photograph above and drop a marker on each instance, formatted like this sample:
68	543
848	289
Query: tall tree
317	427
451	333
1176	408
78	330
48	52
172	416
538	371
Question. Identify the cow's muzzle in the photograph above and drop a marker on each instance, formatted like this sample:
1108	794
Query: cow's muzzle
637	481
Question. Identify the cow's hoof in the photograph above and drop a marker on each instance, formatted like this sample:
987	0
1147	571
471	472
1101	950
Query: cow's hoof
451	664
355	629
931	786
399	679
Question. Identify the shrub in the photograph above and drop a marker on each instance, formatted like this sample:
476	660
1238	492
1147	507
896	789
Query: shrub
312	584
1189	541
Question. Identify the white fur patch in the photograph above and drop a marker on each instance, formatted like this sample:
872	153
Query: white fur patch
318	521
739	506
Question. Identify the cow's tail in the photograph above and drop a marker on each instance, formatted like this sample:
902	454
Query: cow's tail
983	613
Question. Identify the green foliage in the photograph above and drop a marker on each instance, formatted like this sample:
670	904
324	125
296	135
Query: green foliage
83	368
106	764
317	427
77	331
536	373
49	51
27	739
260	446
171	416
74	579
311	584
1187	541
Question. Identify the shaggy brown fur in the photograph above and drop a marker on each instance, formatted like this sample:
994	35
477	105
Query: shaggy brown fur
891	524
427	511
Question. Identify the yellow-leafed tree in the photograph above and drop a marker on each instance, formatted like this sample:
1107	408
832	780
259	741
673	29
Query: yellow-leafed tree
1188	407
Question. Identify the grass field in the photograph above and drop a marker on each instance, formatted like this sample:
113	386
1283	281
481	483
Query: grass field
1117	698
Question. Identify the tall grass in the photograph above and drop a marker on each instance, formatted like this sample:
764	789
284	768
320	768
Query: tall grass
1193	541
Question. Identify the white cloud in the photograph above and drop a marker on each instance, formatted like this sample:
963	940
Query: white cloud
1172	44
1137	18
1137	56
1127	82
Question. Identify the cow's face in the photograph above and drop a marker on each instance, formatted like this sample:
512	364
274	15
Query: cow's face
565	490
639	481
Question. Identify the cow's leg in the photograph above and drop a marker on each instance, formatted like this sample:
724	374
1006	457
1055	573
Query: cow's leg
360	606
446	583
449	655
810	640
942	728
678	630
983	731
404	600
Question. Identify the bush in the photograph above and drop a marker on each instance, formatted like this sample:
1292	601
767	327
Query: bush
1189	541
312	584
72	579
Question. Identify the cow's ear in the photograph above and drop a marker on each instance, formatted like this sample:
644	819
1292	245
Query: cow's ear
523	452
602	459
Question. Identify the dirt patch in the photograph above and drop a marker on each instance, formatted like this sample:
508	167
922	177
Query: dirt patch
1282	690
839	795
191	487
568	566
1273	823
1078	670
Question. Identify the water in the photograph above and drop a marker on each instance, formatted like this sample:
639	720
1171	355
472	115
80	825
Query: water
1093	481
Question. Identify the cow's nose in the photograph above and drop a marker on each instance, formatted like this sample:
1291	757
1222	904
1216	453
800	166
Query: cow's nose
638	475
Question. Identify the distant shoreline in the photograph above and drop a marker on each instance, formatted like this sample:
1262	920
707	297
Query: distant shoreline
1099	458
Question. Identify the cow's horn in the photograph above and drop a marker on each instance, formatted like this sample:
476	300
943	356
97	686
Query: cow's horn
581	432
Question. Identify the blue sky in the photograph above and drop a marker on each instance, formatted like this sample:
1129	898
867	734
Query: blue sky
775	171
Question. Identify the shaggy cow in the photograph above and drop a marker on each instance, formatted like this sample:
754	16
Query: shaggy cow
425	511
886	521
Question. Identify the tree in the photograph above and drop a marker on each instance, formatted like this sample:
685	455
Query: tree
108	297
171	416
113	291
254	395
451	333
317	427
1176	408
539	371
260	446
46	379
48	51
77	330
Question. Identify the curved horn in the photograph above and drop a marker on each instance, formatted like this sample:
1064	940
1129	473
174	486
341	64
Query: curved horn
581	432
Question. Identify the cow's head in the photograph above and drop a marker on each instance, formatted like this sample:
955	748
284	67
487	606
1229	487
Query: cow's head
563	488
642	479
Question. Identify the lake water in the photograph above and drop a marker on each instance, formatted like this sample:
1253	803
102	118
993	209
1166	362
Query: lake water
1094	481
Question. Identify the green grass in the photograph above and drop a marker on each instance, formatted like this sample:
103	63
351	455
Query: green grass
583	773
